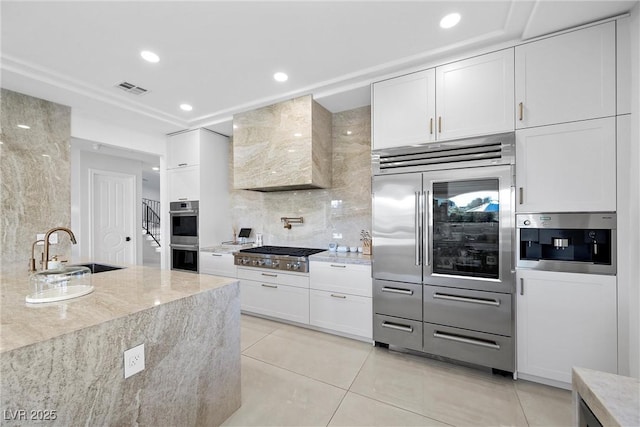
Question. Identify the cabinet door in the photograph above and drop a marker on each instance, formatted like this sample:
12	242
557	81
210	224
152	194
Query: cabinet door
567	168
183	149
279	301
475	96
184	183
350	279
350	314
403	110
566	78
217	264
565	320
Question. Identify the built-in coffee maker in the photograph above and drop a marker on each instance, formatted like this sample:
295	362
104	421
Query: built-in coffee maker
568	242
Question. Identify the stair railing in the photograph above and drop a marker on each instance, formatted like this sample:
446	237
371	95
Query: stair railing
151	219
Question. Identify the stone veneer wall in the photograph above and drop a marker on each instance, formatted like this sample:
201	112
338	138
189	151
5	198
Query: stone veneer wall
344	209
35	183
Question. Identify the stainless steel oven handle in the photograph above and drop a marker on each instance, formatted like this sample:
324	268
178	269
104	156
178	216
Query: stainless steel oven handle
186	211
397	291
397	327
492	302
466	340
176	246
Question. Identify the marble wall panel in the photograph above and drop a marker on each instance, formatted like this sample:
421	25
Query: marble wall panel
342	210
191	376
35	183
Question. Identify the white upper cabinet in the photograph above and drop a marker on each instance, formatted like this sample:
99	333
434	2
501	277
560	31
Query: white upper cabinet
475	96
184	183
567	77
569	167
404	110
465	98
183	149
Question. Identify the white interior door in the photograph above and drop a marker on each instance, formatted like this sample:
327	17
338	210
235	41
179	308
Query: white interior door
112	221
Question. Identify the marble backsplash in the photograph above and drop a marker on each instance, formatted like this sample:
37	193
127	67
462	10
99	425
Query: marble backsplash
35	185
343	210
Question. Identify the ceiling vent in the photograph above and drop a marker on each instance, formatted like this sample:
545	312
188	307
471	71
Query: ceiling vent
131	88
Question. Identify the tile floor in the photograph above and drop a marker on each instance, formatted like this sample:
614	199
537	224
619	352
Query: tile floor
297	377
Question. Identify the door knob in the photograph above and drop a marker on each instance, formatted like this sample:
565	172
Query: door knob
128	239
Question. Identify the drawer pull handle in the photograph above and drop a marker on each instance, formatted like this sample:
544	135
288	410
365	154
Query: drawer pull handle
182	164
338	266
397	291
397	327
492	302
269	275
481	343
270	286
521	111
183	198
216	254
339	296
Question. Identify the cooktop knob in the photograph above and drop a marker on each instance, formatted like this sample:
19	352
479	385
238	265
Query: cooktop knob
275	264
296	266
244	261
260	262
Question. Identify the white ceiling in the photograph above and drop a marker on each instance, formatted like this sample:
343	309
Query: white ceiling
220	56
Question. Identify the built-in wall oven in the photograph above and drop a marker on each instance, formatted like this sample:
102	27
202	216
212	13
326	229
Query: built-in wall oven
184	235
443	270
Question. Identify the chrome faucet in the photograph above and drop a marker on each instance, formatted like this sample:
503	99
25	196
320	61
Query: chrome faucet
46	242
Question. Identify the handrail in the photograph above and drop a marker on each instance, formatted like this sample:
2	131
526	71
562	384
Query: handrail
151	219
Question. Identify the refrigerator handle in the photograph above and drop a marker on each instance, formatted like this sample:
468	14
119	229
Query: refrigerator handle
425	219
418	228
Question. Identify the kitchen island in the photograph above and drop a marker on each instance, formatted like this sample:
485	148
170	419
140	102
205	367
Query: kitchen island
63	363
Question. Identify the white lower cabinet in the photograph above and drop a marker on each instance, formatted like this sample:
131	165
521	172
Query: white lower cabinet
565	320
275	294
340	298
351	314
218	264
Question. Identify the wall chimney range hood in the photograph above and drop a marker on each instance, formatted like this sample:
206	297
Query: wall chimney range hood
284	146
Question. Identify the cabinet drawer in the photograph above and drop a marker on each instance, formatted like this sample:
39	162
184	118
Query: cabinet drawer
280	301
396	331
274	276
397	299
350	314
353	279
494	351
217	264
476	310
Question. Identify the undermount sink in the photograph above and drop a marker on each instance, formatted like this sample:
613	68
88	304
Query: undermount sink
59	284
99	268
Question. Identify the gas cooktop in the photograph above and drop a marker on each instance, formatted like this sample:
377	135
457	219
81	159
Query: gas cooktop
282	251
276	258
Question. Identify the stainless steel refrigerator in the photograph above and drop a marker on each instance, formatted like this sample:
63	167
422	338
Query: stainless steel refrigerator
443	269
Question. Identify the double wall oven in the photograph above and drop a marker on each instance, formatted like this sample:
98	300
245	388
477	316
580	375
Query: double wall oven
184	235
444	274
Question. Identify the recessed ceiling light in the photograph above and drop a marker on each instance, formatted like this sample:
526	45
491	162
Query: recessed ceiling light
24	127
297	134
450	20
349	132
149	56
186	107
280	77
155	168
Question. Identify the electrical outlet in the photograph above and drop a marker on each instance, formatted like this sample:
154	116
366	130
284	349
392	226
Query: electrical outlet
134	360
53	238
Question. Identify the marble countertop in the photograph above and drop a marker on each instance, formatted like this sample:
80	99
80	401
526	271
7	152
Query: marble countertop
613	399
226	249
117	294
342	257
